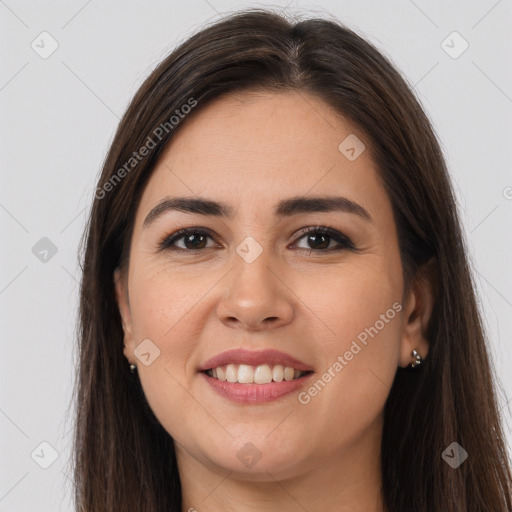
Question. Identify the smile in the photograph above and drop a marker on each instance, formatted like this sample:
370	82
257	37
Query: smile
261	374
253	393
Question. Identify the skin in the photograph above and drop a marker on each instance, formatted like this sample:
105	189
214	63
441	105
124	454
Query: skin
252	150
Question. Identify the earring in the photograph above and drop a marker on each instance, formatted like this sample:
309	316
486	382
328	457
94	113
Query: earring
418	359
132	368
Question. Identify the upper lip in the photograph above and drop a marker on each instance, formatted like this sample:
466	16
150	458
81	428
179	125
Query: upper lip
254	358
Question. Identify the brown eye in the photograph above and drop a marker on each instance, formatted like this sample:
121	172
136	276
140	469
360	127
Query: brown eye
319	239
193	240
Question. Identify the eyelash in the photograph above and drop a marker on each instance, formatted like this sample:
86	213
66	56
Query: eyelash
344	241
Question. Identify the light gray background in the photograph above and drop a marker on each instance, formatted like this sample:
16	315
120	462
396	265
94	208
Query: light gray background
58	116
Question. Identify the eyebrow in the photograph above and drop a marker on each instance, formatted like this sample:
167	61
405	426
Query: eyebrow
285	208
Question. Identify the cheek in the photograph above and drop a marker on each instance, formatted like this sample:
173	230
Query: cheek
345	300
160	299
362	310
163	310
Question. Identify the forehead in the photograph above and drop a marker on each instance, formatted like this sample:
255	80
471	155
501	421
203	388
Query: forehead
252	149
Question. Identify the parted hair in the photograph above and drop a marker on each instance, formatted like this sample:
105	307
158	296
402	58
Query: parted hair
123	459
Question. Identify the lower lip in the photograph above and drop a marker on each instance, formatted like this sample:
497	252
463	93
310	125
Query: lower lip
256	393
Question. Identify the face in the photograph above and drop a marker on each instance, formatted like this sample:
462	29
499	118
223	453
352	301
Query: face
263	278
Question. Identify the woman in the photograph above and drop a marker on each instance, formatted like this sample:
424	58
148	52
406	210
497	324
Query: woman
276	307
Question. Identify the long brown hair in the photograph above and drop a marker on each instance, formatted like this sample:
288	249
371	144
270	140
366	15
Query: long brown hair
124	460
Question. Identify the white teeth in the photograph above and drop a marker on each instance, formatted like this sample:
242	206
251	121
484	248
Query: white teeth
245	374
288	373
262	374
221	374
231	373
278	373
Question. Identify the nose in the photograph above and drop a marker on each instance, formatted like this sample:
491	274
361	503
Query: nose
255	297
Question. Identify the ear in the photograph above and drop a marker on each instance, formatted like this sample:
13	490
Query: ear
417	313
121	287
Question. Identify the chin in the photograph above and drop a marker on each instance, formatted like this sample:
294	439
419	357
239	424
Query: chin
254	463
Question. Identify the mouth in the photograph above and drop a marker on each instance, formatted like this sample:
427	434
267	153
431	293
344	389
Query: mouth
251	377
253	393
261	374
